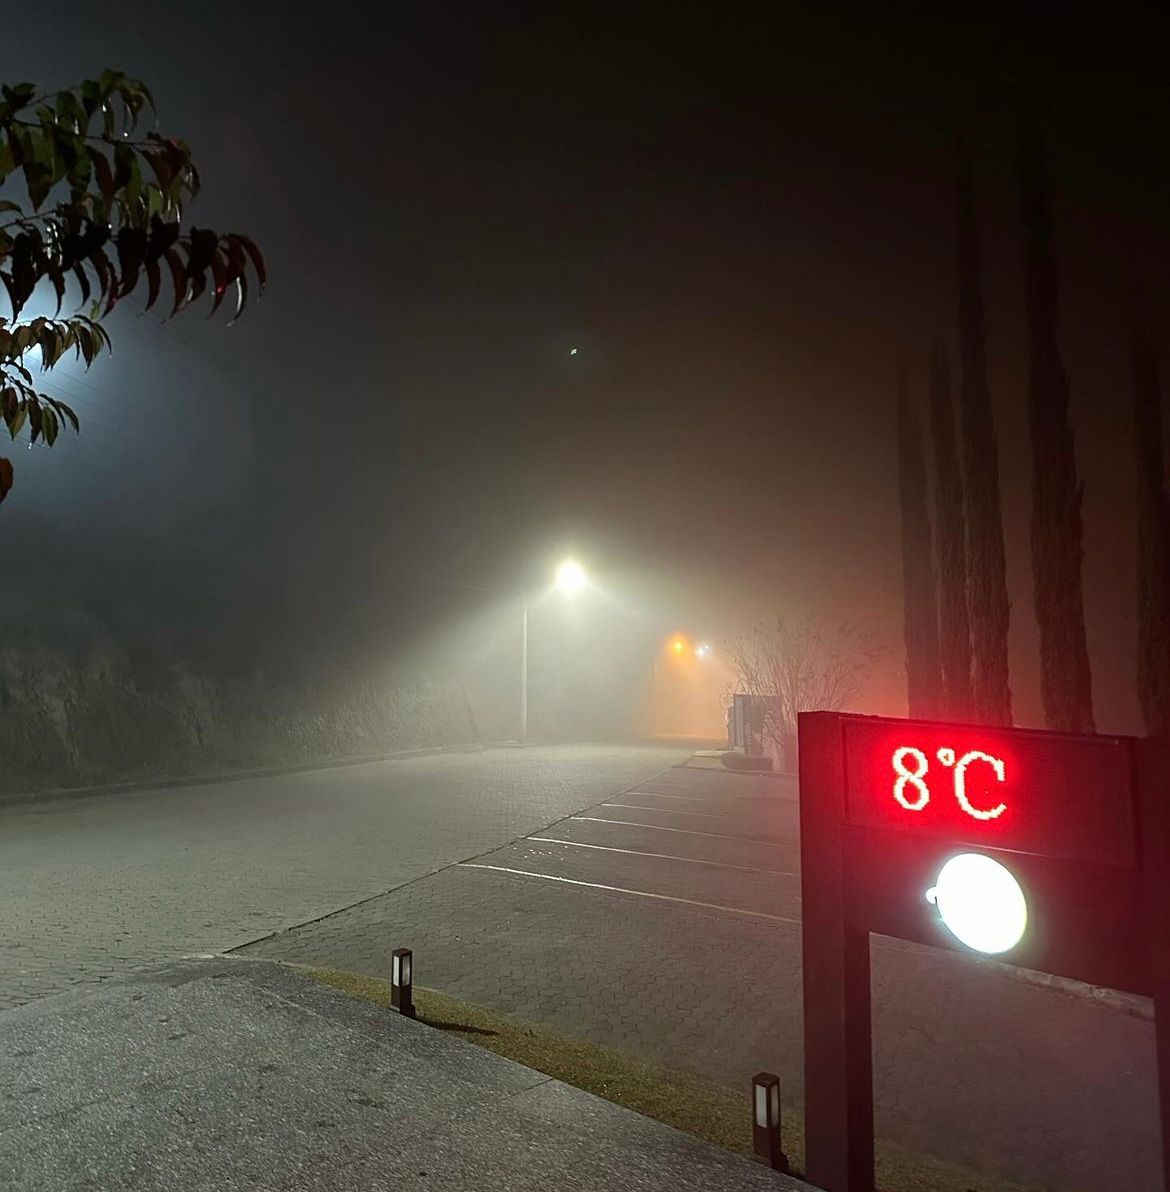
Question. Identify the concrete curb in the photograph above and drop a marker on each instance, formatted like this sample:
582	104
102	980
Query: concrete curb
219	778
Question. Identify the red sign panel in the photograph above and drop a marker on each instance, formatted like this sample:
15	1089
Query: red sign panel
1042	793
1080	824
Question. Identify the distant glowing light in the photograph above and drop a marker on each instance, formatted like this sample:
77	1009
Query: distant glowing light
678	645
980	903
572	351
570	577
703	650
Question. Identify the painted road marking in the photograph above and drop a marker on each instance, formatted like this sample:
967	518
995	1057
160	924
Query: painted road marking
632	852
569	881
668	811
597	819
713	798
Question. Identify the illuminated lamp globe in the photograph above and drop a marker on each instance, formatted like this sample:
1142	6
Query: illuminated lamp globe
570	577
980	903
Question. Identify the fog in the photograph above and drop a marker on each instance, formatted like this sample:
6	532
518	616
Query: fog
371	471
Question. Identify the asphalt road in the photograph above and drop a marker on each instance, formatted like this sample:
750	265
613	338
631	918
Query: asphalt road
93	886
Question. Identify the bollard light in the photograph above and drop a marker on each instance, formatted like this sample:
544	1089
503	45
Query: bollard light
401	994
766	1121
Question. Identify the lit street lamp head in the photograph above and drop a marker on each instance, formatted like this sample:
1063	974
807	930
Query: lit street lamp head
570	577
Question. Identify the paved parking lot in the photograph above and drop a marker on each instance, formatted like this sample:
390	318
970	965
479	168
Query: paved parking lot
666	921
93	886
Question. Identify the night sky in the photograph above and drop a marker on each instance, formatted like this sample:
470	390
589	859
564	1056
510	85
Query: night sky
742	226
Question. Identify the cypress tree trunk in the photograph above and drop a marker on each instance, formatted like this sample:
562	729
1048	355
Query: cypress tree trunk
989	608
1153	673
920	607
954	621
1066	684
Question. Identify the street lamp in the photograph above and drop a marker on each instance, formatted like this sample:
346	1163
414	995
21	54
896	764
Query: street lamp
570	578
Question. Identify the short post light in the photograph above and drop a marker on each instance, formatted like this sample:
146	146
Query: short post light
766	1121
401	992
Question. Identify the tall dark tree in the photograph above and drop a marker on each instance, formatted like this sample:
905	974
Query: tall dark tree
1153	675
920	605
989	608
954	623
1066	684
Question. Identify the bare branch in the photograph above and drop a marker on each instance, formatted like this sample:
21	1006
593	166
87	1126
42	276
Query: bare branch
801	666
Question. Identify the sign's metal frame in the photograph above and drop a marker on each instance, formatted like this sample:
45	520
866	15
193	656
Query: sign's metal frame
1106	924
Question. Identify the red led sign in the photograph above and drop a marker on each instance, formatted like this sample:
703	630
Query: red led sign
1030	792
1075	828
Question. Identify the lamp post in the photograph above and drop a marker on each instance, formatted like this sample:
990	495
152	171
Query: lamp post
523	735
570	579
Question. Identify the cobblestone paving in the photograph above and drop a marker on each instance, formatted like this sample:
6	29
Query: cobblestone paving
92	886
666	980
665	921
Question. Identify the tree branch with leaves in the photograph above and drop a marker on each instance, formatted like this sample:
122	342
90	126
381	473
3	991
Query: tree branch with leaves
102	209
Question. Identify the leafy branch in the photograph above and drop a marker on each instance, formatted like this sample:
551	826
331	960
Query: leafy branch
113	222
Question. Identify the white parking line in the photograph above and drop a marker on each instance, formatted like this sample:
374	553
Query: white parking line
632	852
668	811
712	798
598	819
710	906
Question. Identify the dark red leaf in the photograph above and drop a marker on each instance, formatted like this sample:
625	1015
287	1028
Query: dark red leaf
82	280
131	253
163	235
179	276
198	285
221	276
203	243
241	296
257	259
101	169
153	283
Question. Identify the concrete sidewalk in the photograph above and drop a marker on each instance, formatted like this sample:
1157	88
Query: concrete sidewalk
224	1074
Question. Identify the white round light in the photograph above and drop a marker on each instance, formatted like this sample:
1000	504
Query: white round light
570	576
980	903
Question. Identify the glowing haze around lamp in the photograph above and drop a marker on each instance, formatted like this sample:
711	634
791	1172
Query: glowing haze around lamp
570	577
980	903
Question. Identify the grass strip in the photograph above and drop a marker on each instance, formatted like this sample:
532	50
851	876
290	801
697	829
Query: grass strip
709	1111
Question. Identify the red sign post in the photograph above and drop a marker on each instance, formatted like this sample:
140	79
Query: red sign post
1047	850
